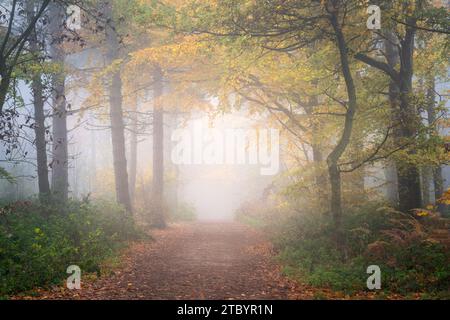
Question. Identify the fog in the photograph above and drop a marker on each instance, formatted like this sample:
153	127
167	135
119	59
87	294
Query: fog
215	191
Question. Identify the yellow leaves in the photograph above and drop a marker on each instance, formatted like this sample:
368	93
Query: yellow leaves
181	52
109	70
422	213
431	210
445	199
96	86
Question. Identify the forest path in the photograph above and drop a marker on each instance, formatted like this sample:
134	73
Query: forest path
193	261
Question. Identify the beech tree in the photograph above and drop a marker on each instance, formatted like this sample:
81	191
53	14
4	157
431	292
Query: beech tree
116	111
60	159
35	47
158	150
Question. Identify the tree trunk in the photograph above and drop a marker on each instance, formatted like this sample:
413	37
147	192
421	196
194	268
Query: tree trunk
41	145
336	153
438	182
321	180
116	116
425	181
393	58
158	152
316	146
439	188
404	116
390	174
39	117
5	79
93	163
133	155
60	183
408	174
355	185
335	201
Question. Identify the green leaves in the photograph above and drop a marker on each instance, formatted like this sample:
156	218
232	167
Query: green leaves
36	248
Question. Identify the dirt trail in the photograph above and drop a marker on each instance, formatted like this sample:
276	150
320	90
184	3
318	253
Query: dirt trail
193	261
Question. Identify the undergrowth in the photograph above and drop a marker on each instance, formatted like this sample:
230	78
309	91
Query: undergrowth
38	243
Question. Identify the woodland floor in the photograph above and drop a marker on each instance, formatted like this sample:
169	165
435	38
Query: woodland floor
193	261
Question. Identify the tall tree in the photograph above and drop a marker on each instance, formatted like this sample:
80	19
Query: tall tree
60	161
39	116
431	68
133	150
399	67
392	58
116	113
158	151
333	8
438	182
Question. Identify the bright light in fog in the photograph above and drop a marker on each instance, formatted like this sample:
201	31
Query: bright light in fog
216	191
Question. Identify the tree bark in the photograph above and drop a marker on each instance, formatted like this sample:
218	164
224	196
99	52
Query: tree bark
41	144
356	184
339	149
438	182
60	161
39	116
390	174
116	116
426	178
321	180
392	58
336	198
158	152
408	174
405	115
317	152
133	155
439	188
93	163
4	85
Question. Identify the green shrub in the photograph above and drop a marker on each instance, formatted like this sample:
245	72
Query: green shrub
410	256
38	243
